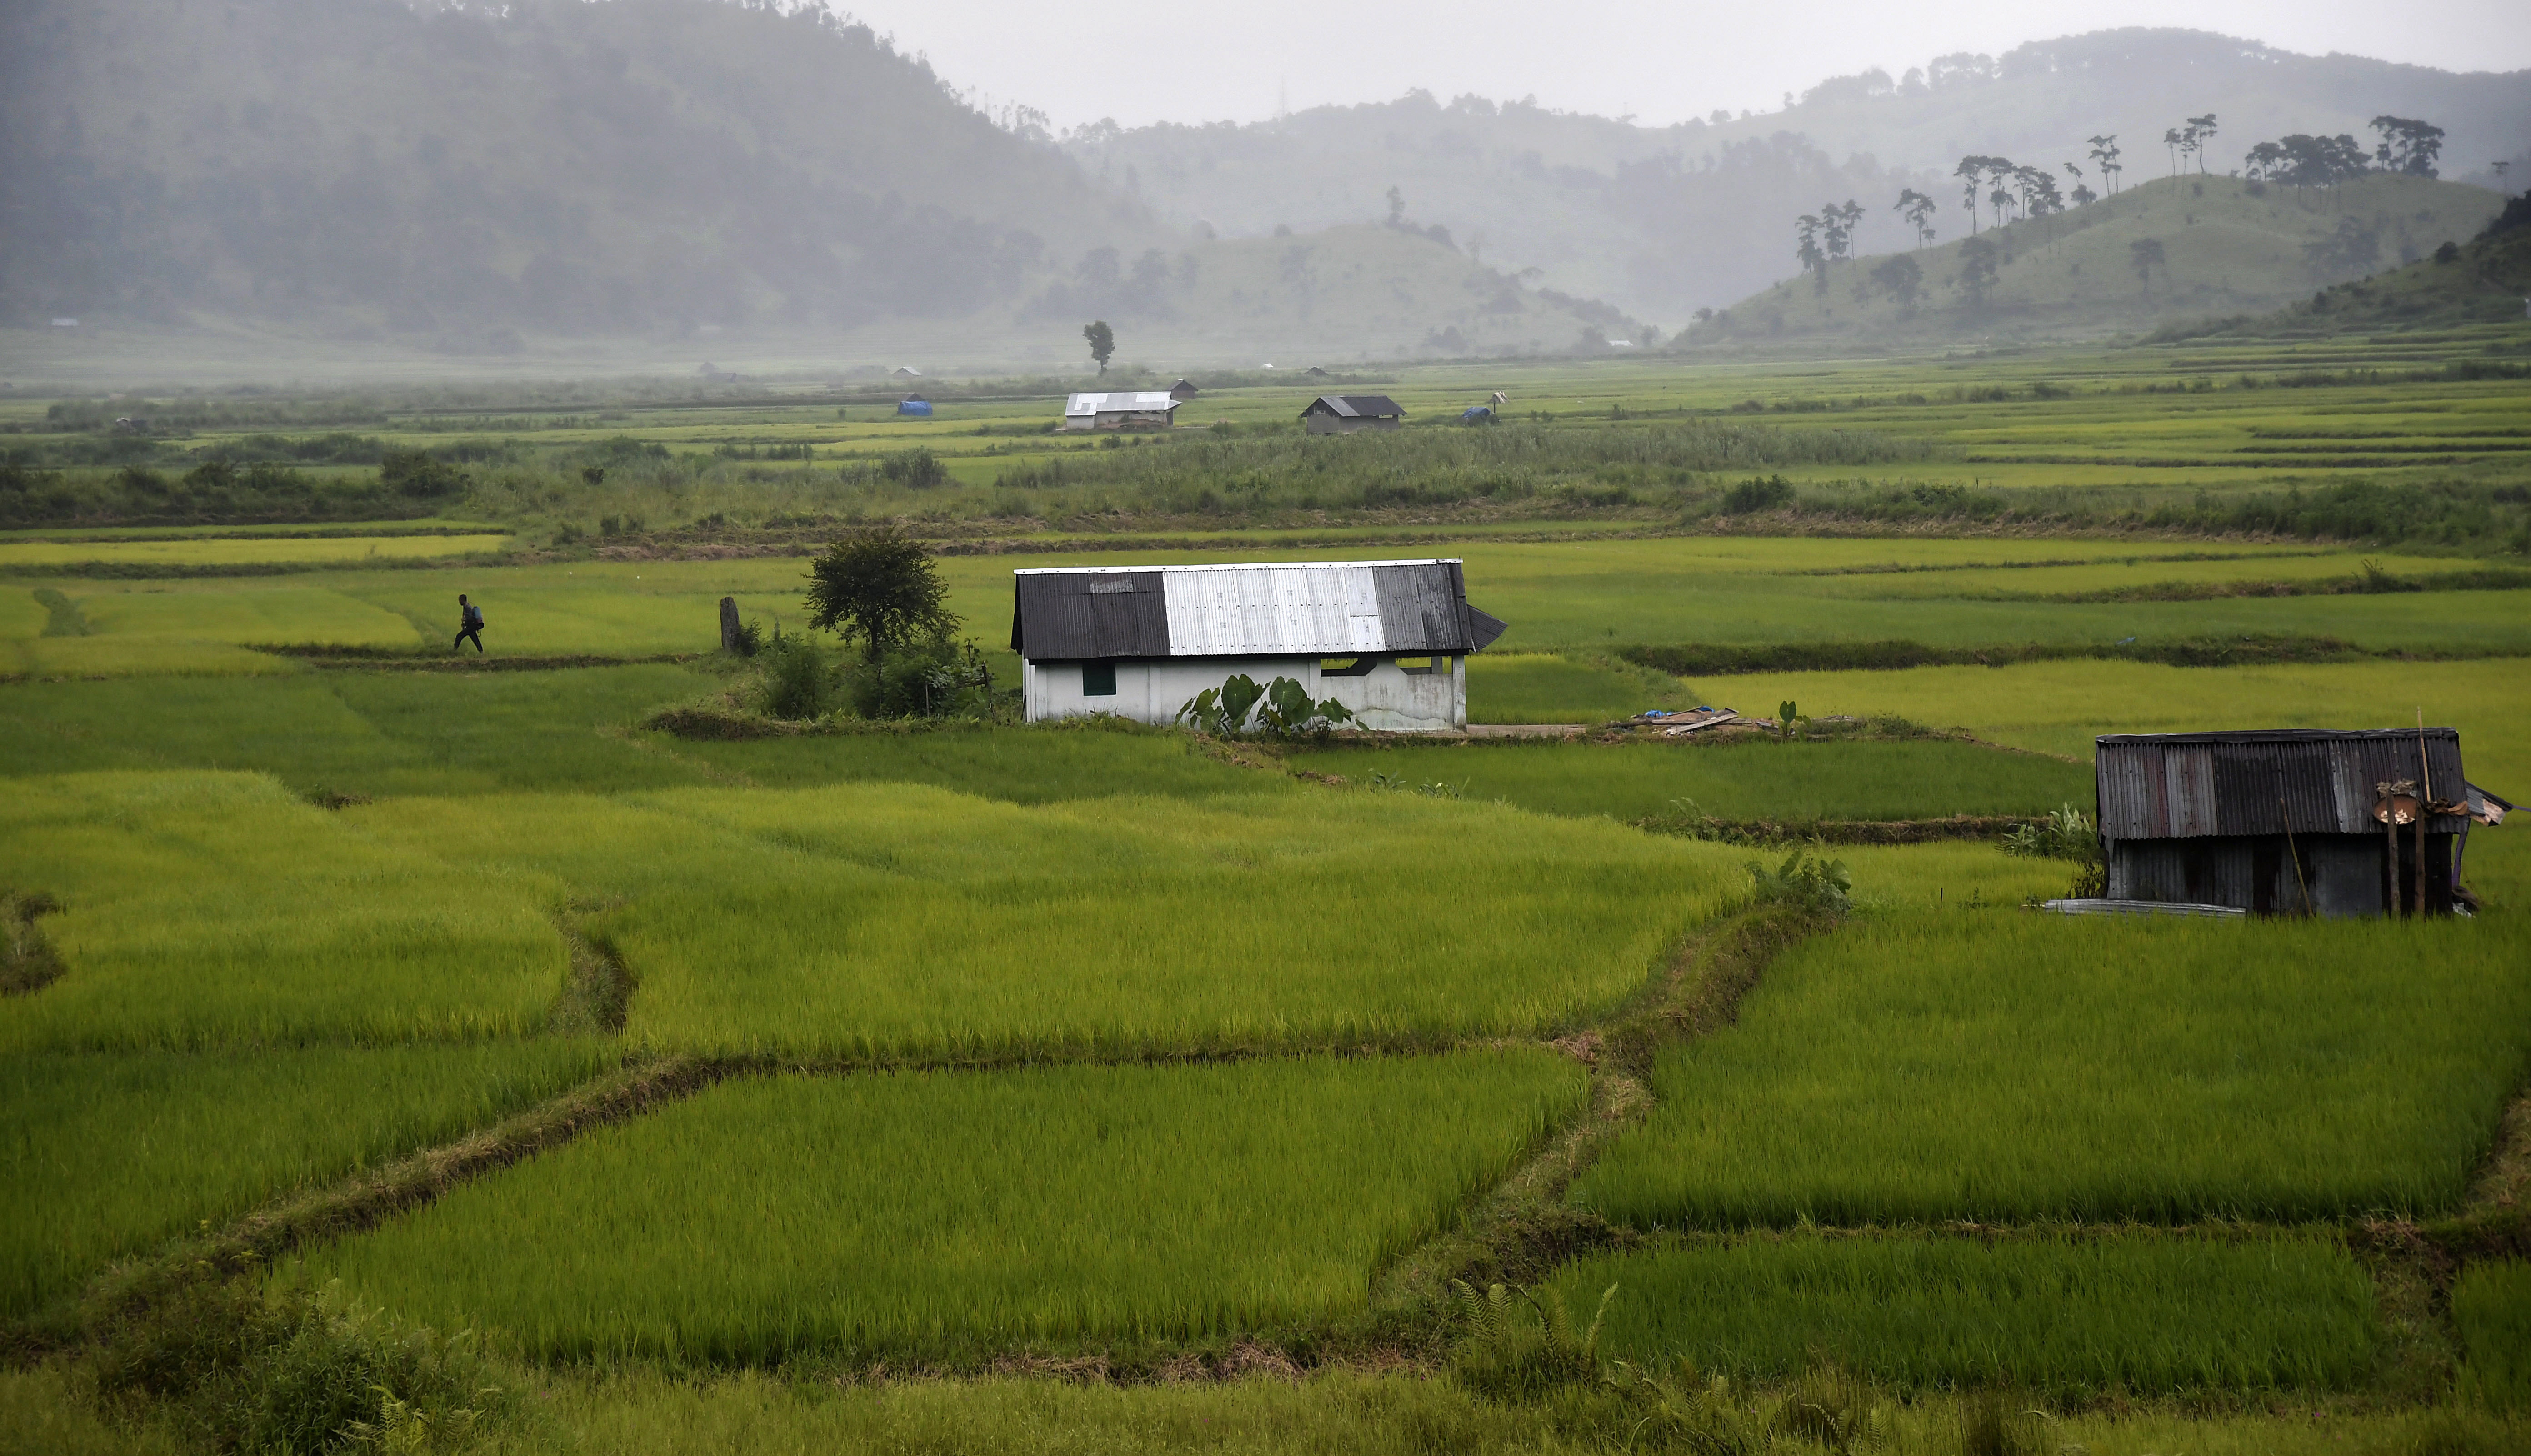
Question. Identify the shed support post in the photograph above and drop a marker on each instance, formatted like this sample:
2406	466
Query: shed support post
2418	878
2389	864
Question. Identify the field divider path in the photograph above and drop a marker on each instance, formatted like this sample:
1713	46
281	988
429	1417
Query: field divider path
1522	1228
361	1201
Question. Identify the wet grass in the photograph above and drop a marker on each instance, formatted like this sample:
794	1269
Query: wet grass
948	1216
2000	1066
2140	1312
106	1155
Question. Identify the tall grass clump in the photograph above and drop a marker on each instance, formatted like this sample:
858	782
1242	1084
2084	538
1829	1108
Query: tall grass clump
108	1155
234	1368
892	921
206	908
1785	784
1932	1066
1213	473
948	1216
2491	1304
2144	1312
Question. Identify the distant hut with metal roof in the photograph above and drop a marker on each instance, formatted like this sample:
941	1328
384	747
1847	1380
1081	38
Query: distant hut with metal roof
1146	409
2288	822
1343	414
1390	640
1184	390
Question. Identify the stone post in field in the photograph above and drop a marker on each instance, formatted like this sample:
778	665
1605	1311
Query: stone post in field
729	624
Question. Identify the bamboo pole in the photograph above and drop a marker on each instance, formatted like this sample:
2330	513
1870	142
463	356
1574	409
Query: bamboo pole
2390	851
2296	855
2425	796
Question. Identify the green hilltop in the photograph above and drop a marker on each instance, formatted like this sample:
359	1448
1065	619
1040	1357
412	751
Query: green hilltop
2484	281
2178	248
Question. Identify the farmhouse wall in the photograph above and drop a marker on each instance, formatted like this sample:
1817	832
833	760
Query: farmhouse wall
1388	698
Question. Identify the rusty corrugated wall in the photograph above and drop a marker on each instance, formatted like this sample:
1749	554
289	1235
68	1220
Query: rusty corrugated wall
2199	785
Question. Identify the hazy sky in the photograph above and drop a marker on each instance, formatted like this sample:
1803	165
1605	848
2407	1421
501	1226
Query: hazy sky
1199	60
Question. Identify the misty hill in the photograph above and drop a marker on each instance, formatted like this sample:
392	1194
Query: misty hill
487	179
2186	246
634	165
2486	280
1366	291
1665	220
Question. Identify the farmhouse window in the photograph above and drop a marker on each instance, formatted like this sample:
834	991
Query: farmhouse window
1345	667
1098	679
1424	665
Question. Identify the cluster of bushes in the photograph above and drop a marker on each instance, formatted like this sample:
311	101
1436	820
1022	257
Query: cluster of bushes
799	680
235	1367
2449	512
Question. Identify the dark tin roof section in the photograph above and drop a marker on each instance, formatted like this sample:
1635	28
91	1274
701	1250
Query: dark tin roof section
1089	614
2303	781
1355	407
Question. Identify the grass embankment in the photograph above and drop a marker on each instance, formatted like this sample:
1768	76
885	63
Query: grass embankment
362	733
2140	1312
958	1216
2007	1067
1740	604
1786	783
110	1154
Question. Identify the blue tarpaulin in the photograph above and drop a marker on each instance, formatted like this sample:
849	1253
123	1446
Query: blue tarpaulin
914	407
1475	415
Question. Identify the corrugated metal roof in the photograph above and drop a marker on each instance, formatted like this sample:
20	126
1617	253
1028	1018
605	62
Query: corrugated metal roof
2191	785
1354	405
1119	402
1279	609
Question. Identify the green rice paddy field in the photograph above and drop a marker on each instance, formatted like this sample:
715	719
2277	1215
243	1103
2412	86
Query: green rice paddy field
1998	1066
994	1050
1130	1204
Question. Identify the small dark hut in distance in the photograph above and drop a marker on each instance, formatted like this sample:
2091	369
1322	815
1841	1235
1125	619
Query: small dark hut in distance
1343	414
1184	390
2287	822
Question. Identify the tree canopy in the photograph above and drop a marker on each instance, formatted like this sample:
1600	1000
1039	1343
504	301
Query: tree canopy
879	585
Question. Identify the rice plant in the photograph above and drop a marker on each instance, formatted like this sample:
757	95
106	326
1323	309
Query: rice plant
2144	1312
1928	1066
105	1156
891	922
944	1215
2491	1303
200	910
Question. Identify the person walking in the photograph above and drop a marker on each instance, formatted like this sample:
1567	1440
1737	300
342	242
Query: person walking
469	623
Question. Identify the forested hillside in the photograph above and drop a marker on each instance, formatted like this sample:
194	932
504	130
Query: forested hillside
1665	220
637	165
2178	248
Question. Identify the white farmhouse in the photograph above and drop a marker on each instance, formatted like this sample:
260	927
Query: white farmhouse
1387	639
1146	409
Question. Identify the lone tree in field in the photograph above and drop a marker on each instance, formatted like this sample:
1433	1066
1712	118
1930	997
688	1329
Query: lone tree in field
1102	342
878	584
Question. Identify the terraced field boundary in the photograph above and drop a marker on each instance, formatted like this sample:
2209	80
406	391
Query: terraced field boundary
358	1201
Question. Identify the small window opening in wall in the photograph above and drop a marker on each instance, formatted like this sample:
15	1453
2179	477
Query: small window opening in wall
1422	665
1345	667
1098	679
